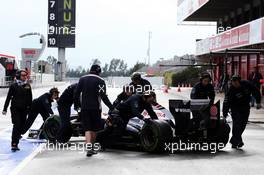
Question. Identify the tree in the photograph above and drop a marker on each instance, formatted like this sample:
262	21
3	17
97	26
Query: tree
136	67
95	61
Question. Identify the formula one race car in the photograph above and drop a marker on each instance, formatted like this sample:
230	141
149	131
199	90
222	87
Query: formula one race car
191	121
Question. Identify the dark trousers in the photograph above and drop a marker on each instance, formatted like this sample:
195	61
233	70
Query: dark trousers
18	119
32	117
240	119
65	115
111	134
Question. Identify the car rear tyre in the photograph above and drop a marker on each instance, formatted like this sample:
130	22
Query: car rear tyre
51	128
154	135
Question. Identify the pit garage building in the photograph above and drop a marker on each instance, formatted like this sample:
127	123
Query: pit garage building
238	46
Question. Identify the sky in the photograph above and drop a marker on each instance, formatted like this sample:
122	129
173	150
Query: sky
106	29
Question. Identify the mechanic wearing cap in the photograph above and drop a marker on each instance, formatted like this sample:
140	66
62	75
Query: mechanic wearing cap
119	118
139	84
65	103
20	95
93	89
127	92
42	106
204	89
237	99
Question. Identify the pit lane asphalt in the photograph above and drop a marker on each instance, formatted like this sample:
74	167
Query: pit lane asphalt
229	161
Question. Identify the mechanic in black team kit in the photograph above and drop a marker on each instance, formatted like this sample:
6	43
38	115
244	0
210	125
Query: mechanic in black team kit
118	120
42	106
65	103
93	89
20	95
238	100
139	84
127	92
204	89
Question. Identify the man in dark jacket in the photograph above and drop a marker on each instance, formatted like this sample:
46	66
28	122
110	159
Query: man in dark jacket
20	95
237	99
118	120
255	78
65	103
204	89
92	89
42	106
139	84
127	92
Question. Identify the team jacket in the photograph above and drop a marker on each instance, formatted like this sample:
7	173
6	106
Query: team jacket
203	92
43	103
90	90
239	98
134	106
20	96
67	97
120	98
142	87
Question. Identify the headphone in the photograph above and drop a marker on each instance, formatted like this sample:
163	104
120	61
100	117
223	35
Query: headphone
18	74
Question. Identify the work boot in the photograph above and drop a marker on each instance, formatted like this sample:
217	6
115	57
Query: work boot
91	153
234	146
14	148
240	145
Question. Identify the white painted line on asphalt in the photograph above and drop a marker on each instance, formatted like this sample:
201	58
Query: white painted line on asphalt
21	165
4	130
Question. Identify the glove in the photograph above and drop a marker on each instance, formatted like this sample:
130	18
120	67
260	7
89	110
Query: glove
258	106
146	120
4	112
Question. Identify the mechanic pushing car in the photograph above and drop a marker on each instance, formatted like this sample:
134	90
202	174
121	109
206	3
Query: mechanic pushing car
42	106
118	120
20	95
93	89
139	84
127	92
238	100
65	102
204	89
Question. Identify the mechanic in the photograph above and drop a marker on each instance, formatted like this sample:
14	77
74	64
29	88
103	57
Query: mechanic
119	118
204	89
65	103
139	85
93	89
42	106
238	100
127	92
255	78
20	95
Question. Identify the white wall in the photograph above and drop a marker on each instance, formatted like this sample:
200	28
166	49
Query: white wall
44	78
157	82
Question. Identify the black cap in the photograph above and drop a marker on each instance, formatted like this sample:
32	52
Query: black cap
136	76
95	69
